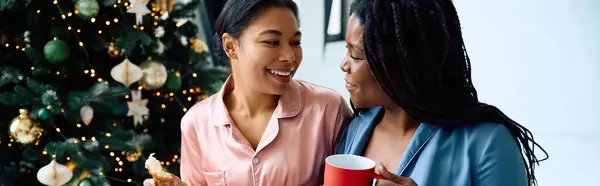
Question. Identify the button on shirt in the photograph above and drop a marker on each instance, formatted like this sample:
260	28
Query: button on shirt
300	135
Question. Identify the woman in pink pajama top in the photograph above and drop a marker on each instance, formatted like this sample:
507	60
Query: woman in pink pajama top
263	127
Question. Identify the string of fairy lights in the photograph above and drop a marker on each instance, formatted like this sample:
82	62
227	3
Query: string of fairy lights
92	74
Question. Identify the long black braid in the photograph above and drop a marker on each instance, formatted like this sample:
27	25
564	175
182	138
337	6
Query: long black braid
417	54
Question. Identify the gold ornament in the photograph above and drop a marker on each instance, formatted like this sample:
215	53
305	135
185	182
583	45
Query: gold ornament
134	156
54	174
198	45
24	129
113	51
155	75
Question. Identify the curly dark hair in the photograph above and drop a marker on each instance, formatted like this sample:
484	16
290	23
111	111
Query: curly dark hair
417	54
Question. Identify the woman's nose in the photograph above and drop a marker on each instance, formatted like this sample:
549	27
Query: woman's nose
344	66
287	54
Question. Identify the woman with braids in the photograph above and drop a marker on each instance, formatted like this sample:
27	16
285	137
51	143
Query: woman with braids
416	110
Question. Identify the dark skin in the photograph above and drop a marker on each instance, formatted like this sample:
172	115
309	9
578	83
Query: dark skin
272	41
395	130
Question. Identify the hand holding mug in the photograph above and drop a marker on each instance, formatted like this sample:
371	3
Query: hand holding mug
391	179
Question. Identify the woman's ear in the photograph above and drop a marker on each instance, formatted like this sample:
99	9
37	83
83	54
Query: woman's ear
229	44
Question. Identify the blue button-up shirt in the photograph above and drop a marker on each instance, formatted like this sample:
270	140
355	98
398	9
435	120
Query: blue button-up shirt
484	154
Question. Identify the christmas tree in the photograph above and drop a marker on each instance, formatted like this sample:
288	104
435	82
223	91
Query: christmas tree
90	88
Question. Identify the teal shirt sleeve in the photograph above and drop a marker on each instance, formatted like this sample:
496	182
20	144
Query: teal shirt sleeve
500	163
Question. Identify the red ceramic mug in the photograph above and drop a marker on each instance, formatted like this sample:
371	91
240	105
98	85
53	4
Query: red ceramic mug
349	170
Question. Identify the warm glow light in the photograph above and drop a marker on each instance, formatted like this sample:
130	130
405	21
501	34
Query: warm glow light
189	98
78	125
177	74
118	159
126	96
53	155
69	28
44	152
69	14
120	163
93	20
68	158
184	92
80	43
107	23
57	72
163	106
63	16
38	11
112	154
83	139
141	27
129	180
86	71
93	75
184	109
99	31
107	134
78	30
171	94
140	88
191	90
155	23
10	145
157	93
57	129
116	20
194	74
93	138
99	79
106	146
55	2
7	45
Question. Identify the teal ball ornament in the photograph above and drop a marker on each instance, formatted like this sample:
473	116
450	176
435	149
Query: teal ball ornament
87	8
56	51
43	114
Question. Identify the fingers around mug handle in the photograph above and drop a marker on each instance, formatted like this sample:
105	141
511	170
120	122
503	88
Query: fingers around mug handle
377	176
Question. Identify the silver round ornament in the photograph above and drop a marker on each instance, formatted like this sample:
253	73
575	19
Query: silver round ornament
155	75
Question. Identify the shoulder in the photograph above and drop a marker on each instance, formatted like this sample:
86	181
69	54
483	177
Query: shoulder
313	93
199	113
489	140
483	132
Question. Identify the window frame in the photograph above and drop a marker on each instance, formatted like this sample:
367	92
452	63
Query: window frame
344	11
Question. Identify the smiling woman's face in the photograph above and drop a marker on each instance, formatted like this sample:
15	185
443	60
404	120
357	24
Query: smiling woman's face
268	53
364	90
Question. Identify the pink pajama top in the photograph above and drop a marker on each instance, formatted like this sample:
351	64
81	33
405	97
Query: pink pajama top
302	132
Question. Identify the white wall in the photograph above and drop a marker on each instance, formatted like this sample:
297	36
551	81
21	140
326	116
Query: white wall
537	60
